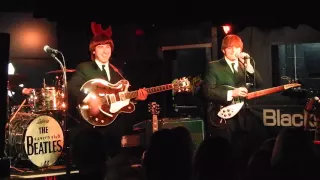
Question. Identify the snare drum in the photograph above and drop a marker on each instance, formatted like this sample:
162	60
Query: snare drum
33	137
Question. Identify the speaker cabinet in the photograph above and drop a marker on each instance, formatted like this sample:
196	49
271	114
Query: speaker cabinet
194	125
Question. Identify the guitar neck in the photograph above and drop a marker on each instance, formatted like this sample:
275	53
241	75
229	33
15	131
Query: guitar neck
154	123
151	90
265	92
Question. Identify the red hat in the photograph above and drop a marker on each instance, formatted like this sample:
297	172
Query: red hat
97	29
100	36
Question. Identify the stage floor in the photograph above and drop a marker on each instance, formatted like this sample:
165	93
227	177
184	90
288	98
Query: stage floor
52	172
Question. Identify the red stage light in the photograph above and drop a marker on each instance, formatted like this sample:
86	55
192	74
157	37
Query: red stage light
139	32
226	28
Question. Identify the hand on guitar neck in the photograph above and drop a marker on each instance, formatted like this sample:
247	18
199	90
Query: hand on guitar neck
142	94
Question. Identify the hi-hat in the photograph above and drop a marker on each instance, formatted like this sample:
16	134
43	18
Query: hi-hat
60	71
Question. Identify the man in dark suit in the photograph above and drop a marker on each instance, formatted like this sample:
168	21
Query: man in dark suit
90	144
225	81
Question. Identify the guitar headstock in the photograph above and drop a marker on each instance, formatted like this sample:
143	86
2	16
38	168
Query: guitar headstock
181	85
292	85
154	108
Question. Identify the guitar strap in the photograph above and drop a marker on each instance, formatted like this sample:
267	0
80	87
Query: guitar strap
116	70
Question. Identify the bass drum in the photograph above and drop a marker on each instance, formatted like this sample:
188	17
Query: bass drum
34	137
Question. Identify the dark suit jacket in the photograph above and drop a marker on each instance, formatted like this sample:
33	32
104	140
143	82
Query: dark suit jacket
85	72
113	132
218	74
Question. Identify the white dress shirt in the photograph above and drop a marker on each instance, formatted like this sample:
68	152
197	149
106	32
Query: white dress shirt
85	100
106	68
249	69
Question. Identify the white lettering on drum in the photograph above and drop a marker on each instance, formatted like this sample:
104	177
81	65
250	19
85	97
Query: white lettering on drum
44	141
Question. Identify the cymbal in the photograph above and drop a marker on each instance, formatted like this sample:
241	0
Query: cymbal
60	71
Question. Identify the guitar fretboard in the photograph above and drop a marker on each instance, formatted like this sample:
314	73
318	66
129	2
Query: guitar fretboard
151	90
154	123
264	92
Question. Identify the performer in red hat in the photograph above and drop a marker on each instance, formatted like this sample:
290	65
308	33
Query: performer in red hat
90	145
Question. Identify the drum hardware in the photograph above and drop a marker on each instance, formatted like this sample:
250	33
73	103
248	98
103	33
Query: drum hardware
58	79
44	83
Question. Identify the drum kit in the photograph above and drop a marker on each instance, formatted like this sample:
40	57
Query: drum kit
33	133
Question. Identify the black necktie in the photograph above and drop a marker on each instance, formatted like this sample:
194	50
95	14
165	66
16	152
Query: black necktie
105	72
233	68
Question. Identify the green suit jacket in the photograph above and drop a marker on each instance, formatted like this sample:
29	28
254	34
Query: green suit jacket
219	75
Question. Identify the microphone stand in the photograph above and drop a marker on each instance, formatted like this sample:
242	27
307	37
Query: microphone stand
247	85
244	99
65	112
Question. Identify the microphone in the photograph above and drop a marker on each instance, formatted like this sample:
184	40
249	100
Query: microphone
243	55
48	49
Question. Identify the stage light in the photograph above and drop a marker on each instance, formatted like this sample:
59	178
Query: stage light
226	28
11	69
139	32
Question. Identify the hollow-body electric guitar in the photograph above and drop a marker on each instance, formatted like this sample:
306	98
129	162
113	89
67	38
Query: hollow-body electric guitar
231	110
115	98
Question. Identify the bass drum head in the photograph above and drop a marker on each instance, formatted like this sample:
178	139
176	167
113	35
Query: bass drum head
43	141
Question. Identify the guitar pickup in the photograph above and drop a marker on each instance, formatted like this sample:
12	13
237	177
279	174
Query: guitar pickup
112	98
122	96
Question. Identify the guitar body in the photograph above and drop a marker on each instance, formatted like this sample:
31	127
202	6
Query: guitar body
231	110
222	114
113	101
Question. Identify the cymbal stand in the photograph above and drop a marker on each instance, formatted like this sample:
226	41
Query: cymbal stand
65	112
7	154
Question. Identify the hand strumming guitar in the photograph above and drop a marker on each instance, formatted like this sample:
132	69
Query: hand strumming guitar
240	92
94	104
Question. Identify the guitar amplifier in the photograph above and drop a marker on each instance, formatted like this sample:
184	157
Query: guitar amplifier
194	125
